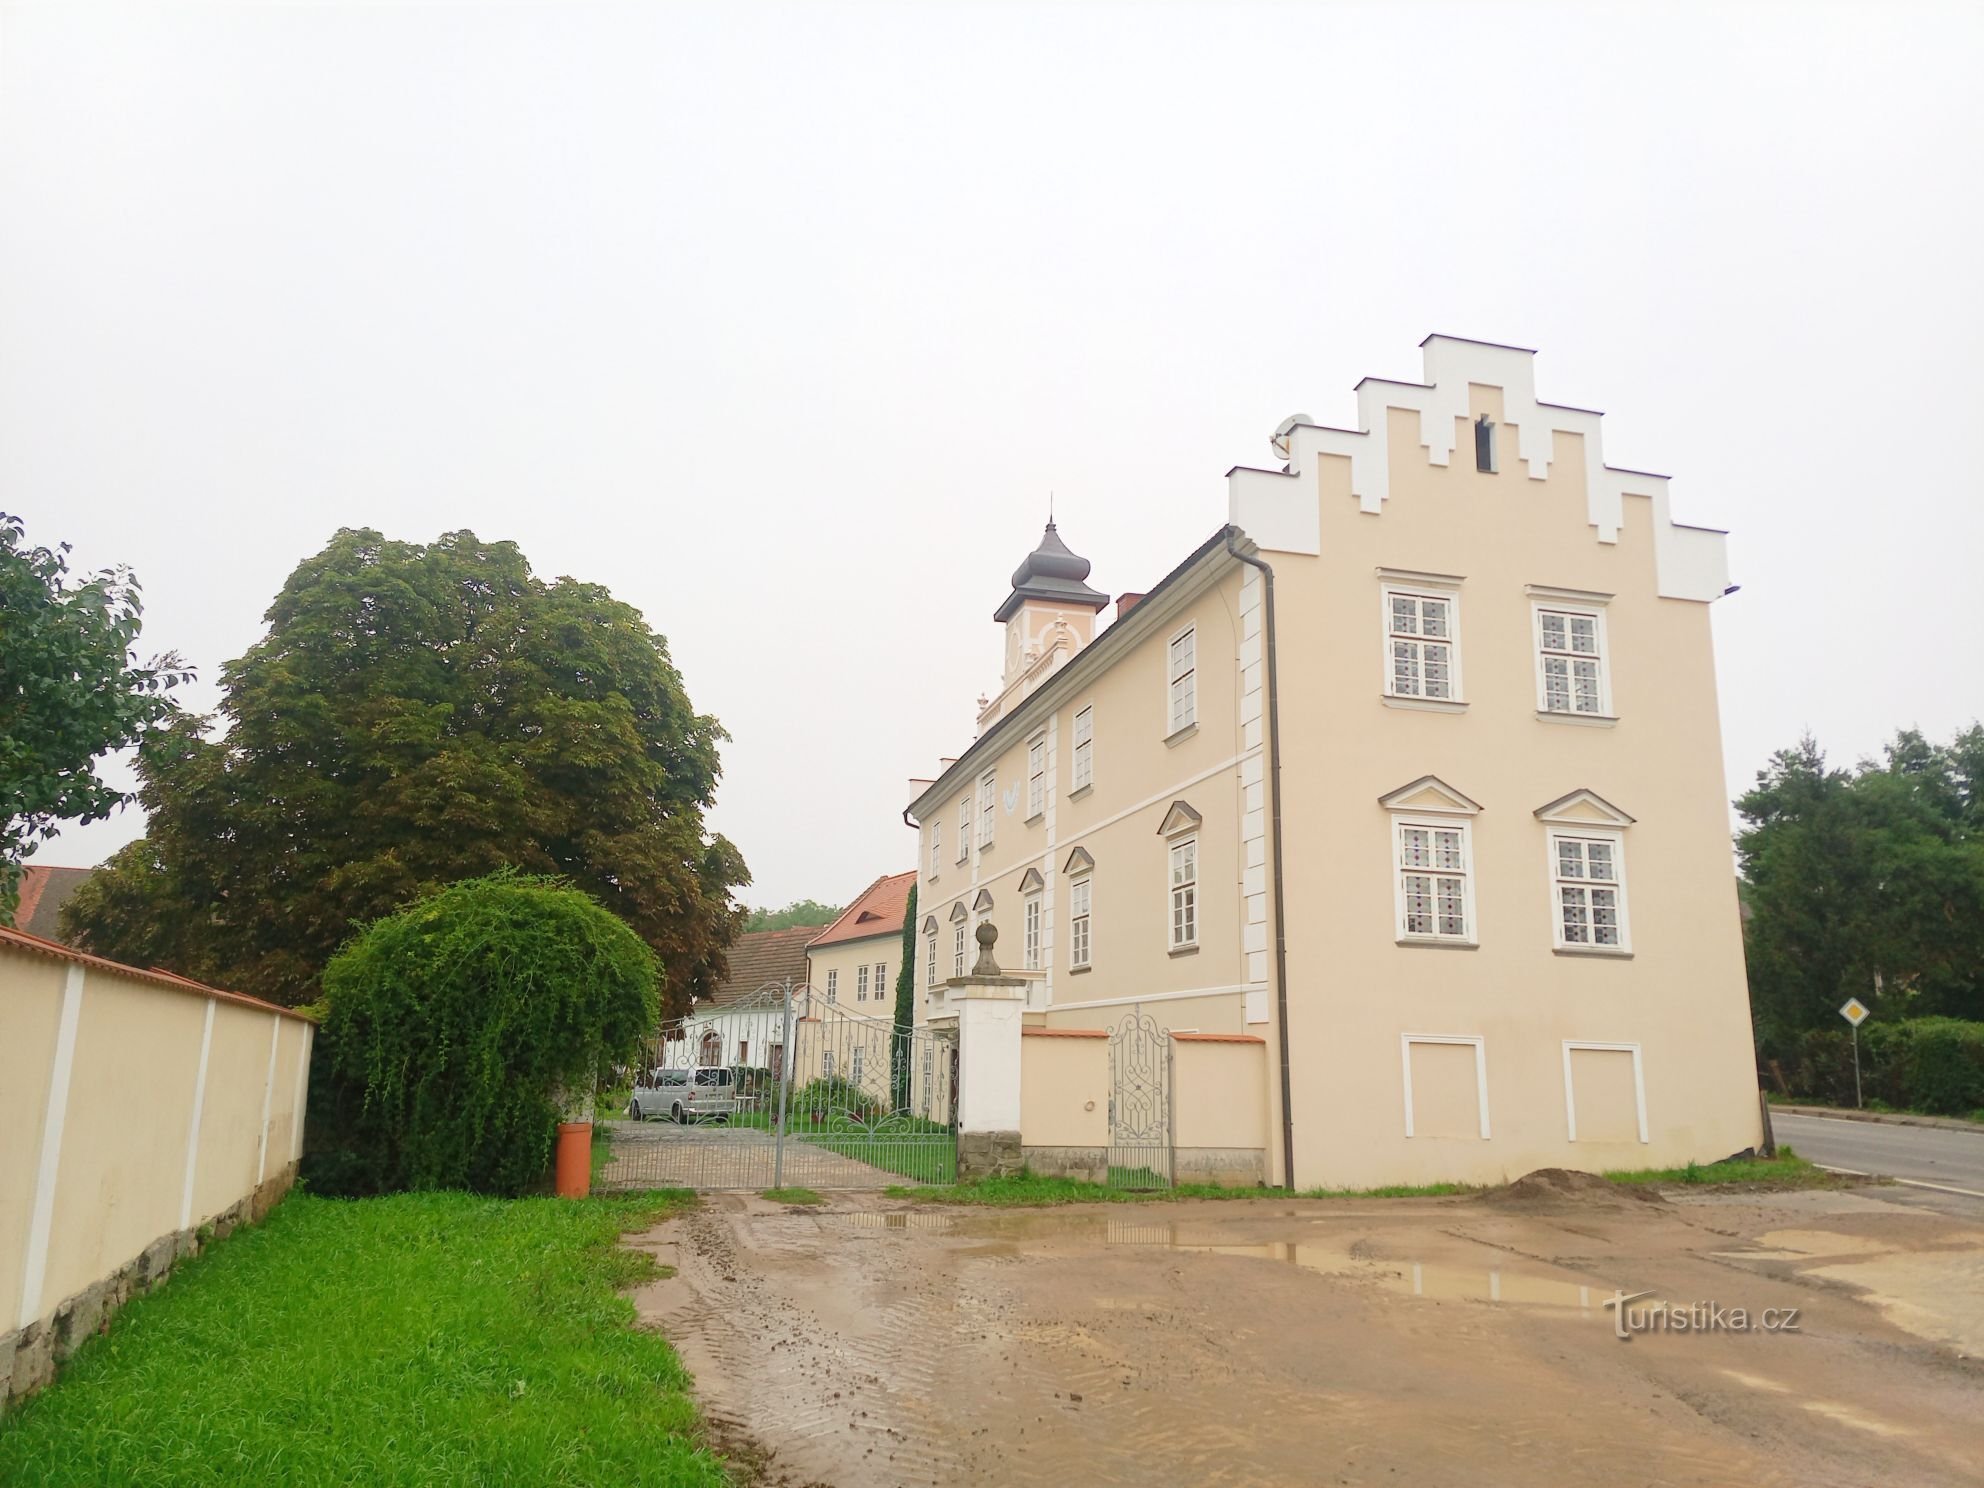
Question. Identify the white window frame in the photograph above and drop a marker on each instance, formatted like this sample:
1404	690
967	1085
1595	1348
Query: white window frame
988	807
1036	777
833	985
1421	591
827	1064
1405	1043
960	931
1183	892
1181	717
1404	821
854	1064
1539	607
1617	841
964	828
861	982
1083	774
1570	1094
881	978
936	845
1031	926
930	959
1081	929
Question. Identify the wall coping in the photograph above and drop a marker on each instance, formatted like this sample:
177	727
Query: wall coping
20	940
1219	1038
1064	1033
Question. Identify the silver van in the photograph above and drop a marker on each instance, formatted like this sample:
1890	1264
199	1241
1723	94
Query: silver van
685	1094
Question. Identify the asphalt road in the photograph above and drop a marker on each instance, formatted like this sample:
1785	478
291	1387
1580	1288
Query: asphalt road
1920	1154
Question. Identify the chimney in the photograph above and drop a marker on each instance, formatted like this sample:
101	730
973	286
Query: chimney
1126	603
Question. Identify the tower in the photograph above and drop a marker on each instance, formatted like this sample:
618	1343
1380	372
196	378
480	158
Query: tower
1049	616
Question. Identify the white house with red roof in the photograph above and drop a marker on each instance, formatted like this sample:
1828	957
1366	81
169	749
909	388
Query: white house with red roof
853	962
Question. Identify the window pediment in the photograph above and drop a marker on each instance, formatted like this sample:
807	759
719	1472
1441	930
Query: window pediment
1180	818
1079	861
1032	882
983	903
930	925
959	913
1583	808
1429	793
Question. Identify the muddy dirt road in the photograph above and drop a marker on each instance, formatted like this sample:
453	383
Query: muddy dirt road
1405	1342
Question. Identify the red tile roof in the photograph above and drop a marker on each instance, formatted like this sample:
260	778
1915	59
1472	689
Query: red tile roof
878	911
761	957
43	892
20	940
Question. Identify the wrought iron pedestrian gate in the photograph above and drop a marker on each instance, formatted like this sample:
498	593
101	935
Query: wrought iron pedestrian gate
1141	1138
787	1089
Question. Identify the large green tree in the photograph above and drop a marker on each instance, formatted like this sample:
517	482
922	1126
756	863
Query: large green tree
419	714
798	912
1865	883
71	690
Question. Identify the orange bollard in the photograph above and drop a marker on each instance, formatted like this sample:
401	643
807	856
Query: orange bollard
574	1167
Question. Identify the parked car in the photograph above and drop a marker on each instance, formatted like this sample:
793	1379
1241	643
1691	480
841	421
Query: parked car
684	1094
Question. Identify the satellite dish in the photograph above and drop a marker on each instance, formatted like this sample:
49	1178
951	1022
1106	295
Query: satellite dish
1282	431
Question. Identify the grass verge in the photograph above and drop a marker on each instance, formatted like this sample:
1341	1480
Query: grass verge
792	1196
1875	1108
1033	1189
421	1338
1786	1170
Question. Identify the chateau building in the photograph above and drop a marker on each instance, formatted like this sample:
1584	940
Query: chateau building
1411	769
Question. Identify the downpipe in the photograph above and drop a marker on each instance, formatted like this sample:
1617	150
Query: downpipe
1233	534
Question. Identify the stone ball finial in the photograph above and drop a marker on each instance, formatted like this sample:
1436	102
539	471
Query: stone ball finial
988	936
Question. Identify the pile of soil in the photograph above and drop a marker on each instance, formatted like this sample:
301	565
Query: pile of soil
1569	1186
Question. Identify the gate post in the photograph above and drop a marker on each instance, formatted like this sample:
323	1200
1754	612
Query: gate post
988	1006
787	1063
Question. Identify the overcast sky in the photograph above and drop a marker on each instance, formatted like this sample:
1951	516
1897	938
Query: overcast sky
783	323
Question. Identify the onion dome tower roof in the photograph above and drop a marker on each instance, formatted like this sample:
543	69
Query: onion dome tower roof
1051	572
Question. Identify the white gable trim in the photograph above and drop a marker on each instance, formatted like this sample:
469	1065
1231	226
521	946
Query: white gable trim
1281	514
1559	811
1446	799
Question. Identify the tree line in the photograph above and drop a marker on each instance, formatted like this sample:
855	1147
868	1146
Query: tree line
415	715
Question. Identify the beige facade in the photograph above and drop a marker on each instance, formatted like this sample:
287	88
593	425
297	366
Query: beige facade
1510	936
852	963
134	1108
860	975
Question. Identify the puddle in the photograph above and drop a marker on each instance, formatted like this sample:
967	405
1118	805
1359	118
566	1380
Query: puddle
1499	1284
1820	1243
1757	1382
1832	1410
901	1219
1846	1415
1934	1294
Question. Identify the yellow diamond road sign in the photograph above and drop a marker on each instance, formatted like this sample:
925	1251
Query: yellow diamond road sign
1855	1011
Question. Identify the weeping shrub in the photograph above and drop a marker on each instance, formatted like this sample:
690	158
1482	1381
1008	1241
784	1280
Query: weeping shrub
453	1030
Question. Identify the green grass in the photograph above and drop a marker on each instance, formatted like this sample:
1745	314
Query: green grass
933	1161
1027	1189
416	1339
1786	1170
792	1196
1874	1105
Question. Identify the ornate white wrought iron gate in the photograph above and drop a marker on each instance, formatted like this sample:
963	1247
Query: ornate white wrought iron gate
1141	1139
786	1089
